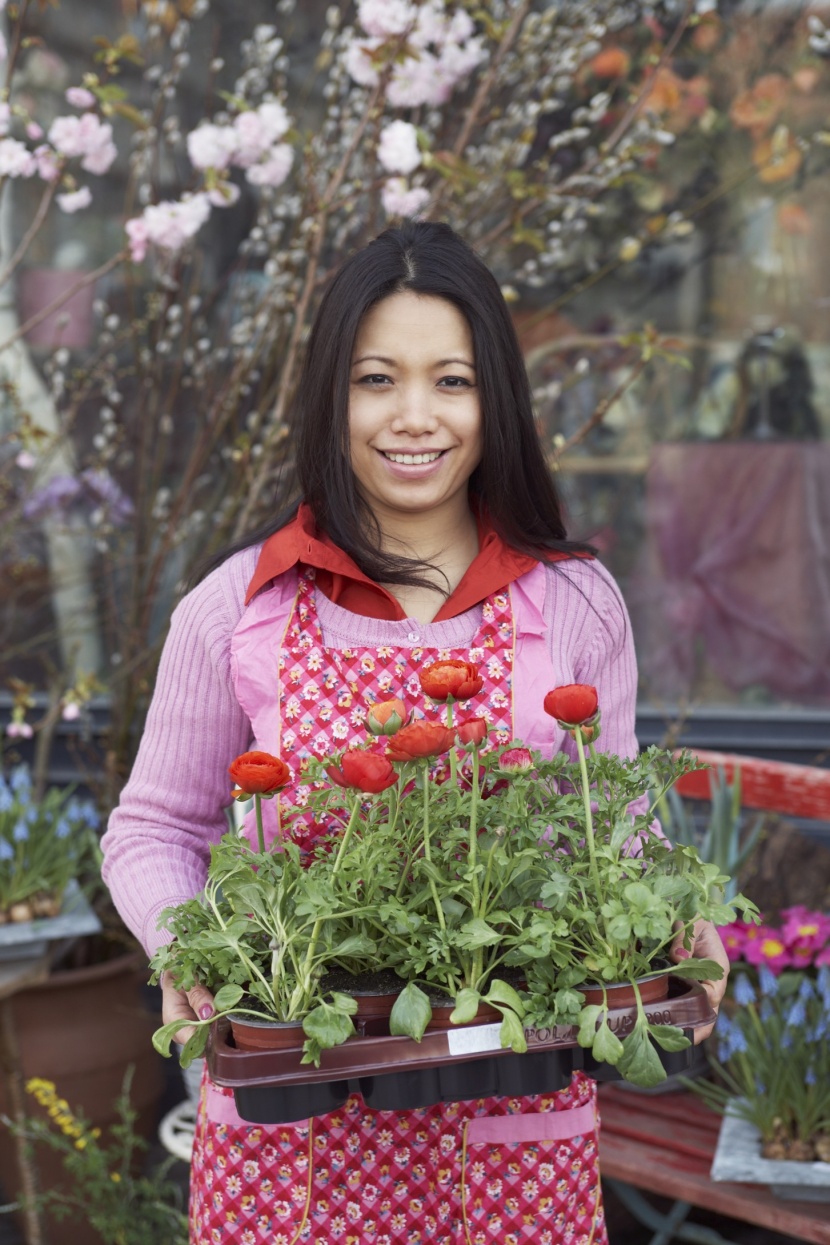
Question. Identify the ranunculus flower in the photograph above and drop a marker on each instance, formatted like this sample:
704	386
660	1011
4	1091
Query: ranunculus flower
365	771
516	761
259	773
387	717
472	731
573	704
419	740
451	680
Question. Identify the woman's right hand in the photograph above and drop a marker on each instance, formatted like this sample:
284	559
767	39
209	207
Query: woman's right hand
185	1005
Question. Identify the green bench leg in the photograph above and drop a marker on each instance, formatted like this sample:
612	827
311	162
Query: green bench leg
666	1227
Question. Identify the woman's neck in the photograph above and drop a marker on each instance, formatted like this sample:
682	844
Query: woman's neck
447	542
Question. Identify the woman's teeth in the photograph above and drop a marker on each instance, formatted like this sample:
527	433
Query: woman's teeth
414	459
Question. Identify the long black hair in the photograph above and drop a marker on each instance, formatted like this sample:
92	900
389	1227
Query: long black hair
512	482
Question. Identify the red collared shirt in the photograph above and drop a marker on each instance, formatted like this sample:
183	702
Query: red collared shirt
341	580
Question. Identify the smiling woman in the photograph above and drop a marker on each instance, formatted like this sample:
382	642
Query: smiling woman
429	535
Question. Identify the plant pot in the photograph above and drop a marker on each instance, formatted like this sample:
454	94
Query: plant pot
441	1012
266	1034
622	993
285	1104
738	1157
82	1028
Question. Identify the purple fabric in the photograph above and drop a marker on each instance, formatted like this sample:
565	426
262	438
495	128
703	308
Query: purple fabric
737	569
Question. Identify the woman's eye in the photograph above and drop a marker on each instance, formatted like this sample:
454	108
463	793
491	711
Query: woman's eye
455	382
374	379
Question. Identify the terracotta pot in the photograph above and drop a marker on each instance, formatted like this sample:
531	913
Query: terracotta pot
81	1029
621	993
70	325
266	1034
486	1015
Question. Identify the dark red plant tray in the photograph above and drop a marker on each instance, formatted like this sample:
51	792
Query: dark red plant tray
466	1062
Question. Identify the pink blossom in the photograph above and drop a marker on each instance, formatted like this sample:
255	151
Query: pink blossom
274	169
169	225
357	59
767	948
257	131
71	711
416	82
15	159
211	146
80	97
19	730
34	131
26	460
223	195
516	761
733	938
48	163
398	147
399	200
823	958
804	930
86	136
5	118
75	201
385	18
458	61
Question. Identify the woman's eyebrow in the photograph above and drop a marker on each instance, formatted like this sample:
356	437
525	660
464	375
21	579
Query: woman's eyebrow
392	362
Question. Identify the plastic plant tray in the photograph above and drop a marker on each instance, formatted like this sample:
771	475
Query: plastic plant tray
396	1073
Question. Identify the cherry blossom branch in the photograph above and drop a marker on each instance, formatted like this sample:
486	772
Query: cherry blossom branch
31	232
601	410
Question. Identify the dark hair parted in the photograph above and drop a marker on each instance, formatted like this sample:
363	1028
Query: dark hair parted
512	480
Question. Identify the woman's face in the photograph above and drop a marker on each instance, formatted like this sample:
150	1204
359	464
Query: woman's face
414	411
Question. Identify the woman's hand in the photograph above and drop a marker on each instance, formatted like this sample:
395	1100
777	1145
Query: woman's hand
706	945
185	1005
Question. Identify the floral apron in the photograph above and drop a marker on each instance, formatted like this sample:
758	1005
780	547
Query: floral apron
491	1171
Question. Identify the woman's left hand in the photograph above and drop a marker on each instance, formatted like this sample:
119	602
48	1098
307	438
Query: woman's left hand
706	945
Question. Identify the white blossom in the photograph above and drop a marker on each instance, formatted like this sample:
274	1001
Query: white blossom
398	147
15	159
75	201
399	200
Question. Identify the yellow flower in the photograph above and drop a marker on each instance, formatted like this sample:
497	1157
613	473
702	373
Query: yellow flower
80	1144
115	1178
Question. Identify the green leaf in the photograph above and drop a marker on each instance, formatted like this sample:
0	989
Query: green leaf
476	933
194	1047
411	1013
500	992
327	1026
698	970
163	1037
344	1003
669	1037
588	1018
512	1034
466	1007
607	1046
639	1062
227	997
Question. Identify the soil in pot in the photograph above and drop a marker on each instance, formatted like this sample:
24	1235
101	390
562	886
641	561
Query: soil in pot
374	993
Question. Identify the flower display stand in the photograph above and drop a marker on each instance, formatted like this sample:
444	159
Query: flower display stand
24	940
738	1158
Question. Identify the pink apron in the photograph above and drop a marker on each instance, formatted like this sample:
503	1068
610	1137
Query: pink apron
492	1171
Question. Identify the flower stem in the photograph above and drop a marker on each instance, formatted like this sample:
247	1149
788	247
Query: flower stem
439	911
315	932
260	830
479	901
589	821
453	759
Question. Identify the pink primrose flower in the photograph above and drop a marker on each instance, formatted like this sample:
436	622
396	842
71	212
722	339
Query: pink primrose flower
733	938
768	948
808	931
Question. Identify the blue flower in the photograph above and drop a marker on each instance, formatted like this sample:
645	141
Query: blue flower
744	992
797	1015
767	981
806	991
20	782
6	850
21	832
810	1077
63	828
89	813
767	1012
6	797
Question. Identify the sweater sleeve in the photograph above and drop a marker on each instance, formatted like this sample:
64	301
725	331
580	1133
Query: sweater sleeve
157	845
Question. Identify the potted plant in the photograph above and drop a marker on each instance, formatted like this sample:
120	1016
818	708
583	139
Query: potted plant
503	879
772	1068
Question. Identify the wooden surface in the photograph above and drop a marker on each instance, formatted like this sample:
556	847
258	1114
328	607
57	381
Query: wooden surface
664	1144
776	786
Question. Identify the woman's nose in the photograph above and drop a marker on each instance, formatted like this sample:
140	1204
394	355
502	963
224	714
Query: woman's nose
415	410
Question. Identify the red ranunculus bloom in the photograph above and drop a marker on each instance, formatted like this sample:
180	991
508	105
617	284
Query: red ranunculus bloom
363	771
451	680
573	704
259	773
419	740
473	731
387	717
516	761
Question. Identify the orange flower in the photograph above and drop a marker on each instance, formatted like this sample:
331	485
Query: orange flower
665	93
365	771
386	717
451	680
419	740
258	773
758	108
572	704
610	63
776	159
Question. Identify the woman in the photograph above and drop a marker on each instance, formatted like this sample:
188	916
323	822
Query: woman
429	526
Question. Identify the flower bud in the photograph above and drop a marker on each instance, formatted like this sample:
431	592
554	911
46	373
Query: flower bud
516	761
387	717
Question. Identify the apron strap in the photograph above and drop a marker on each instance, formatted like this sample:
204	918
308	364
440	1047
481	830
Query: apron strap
533	1126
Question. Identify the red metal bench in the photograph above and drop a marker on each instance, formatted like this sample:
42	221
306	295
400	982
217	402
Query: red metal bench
664	1144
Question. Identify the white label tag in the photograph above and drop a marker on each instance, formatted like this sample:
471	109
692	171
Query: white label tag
474	1038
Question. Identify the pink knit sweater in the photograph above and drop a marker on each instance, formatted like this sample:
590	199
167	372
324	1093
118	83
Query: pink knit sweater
157	845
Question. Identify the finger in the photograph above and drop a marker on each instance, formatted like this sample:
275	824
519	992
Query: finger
202	1002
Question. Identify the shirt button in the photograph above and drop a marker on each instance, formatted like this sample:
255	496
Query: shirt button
413	637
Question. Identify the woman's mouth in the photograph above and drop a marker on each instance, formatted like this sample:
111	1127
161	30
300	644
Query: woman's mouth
413	460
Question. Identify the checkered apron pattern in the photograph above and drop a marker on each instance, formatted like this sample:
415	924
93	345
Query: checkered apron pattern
491	1171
